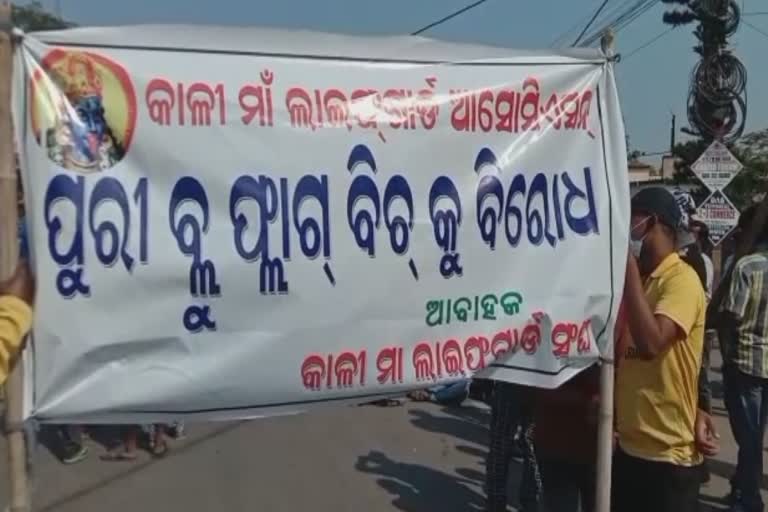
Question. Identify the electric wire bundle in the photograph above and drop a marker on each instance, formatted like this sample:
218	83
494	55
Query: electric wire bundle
717	97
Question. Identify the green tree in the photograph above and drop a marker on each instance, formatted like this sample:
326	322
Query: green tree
34	17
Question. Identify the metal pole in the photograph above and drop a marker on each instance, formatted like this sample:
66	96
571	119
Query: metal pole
672	135
607	368
9	250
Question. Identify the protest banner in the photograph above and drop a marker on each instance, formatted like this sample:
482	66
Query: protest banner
231	223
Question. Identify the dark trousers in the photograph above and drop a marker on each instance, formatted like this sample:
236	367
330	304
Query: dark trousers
508	413
746	398
71	434
566	486
645	486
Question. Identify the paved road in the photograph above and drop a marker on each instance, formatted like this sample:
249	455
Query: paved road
415	458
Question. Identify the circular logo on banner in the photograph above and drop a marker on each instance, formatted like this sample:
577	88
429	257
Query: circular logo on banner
83	110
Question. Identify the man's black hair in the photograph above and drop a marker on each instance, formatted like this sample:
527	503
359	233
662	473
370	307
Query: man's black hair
746	217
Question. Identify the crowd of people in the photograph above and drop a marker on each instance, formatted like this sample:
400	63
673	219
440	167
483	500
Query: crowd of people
123	441
663	424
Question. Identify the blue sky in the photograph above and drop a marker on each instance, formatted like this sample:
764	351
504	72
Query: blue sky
653	82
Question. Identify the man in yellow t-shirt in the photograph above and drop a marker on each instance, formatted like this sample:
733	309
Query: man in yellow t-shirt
657	460
16	296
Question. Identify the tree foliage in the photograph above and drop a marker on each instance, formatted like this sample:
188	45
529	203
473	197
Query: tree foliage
34	17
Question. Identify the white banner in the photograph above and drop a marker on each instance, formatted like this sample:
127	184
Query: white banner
230	223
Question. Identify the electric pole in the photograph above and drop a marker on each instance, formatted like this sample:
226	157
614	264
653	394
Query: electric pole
717	106
672	135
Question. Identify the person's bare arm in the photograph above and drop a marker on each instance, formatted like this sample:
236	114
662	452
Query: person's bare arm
652	334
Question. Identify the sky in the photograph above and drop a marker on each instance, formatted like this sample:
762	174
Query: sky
653	82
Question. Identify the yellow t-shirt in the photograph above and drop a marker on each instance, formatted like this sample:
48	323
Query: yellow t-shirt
656	399
15	321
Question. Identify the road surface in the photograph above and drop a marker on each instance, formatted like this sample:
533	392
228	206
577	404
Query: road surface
413	458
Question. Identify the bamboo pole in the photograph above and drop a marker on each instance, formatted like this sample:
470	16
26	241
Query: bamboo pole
607	370
9	251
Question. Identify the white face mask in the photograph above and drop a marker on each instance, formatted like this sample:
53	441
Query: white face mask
636	246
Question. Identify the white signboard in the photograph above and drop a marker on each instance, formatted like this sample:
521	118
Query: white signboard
717	166
234	223
719	214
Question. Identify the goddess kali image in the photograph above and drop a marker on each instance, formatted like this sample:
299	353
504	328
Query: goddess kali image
80	138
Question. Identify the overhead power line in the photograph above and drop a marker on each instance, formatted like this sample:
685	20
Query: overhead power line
649	4
590	22
646	44
449	17
755	28
618	23
618	16
607	14
572	30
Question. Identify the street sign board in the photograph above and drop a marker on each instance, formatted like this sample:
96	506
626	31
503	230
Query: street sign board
719	214
716	167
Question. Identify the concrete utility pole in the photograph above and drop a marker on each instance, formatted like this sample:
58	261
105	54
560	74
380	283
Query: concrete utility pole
672	138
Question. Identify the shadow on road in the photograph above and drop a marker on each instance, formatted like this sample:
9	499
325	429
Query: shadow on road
469	425
472	451
472	415
465	423
417	488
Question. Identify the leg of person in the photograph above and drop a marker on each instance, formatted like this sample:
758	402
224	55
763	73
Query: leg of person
73	449
632	484
177	430
75	433
679	489
737	420
504	417
530	482
148	431
131	439
586	478
452	394
751	499
560	488
128	443
761	433
481	390
159	443
422	395
747	421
